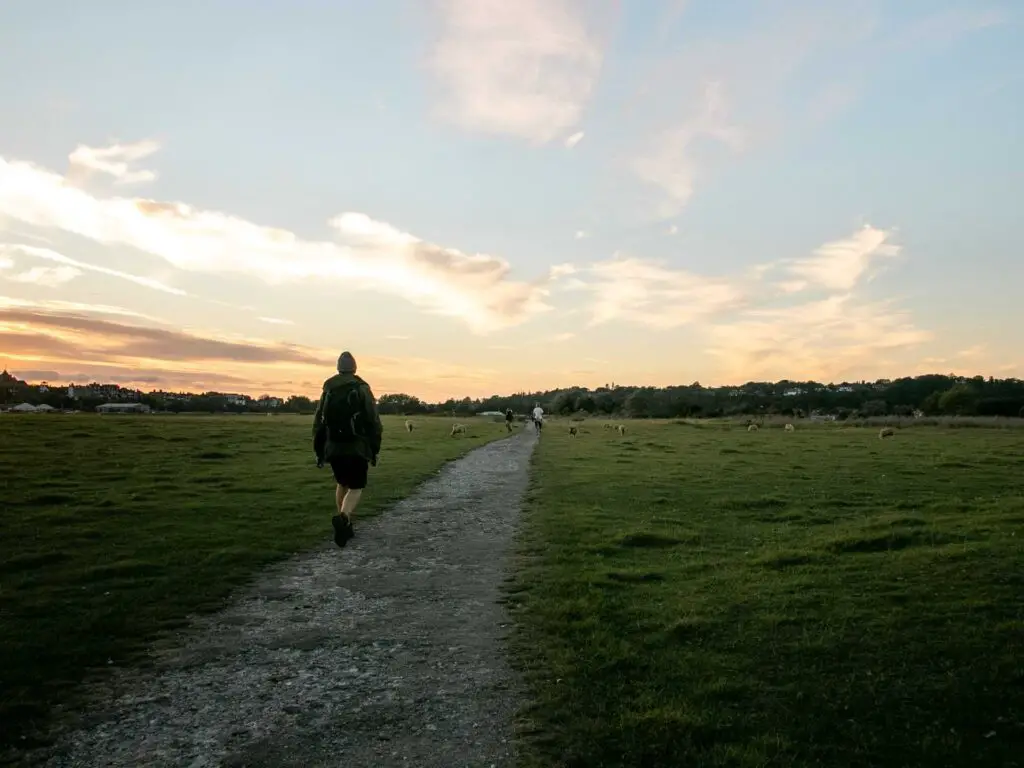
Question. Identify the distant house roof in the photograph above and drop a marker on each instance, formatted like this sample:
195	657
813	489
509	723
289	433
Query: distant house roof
24	408
45	407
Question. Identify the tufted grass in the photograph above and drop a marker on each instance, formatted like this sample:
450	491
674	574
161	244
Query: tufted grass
114	529
695	595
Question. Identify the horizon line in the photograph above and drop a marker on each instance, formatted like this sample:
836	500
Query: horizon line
607	387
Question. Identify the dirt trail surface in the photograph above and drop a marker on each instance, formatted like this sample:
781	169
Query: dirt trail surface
389	652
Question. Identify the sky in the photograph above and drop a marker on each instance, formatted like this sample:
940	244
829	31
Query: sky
486	196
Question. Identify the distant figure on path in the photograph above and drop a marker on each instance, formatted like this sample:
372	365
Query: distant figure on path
347	435
508	419
538	416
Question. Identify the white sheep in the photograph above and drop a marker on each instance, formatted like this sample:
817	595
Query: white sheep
752	428
408	426
573	431
790	428
621	429
886	432
458	429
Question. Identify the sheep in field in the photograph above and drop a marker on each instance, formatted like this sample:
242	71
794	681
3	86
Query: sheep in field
886	432
408	426
752	428
573	431
621	429
458	429
790	428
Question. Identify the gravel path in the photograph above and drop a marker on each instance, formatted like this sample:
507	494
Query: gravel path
389	652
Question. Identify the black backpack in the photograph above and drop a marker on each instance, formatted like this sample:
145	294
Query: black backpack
344	412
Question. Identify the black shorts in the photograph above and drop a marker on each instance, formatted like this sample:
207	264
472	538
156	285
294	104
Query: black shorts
350	471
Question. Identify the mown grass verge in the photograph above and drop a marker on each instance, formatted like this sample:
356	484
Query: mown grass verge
696	595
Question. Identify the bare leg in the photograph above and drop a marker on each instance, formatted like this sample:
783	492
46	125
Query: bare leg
347	506
339	496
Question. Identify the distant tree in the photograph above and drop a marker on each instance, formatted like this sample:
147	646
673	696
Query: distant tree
298	404
874	408
636	404
957	400
400	403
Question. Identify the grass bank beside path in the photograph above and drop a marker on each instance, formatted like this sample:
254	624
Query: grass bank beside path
113	528
697	595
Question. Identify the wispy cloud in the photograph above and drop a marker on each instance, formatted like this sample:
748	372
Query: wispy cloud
575	139
76	307
673	229
19	234
475	288
567	336
51	277
120	340
825	340
580	234
524	69
6	262
738	319
828	338
398	337
973	352
115	160
840	264
275	321
668	161
651	294
95	343
701	105
51	255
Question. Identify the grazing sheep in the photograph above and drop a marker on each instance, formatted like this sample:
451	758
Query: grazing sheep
573	431
621	429
607	426
752	428
886	432
408	426
458	429
790	428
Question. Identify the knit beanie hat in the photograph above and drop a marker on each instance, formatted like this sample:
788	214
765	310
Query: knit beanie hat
346	363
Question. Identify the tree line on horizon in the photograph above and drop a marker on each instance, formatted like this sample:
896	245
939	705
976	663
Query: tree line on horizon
930	395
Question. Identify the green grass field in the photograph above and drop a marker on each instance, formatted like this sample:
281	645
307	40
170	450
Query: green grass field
115	528
696	595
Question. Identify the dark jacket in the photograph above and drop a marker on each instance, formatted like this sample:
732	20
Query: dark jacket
365	447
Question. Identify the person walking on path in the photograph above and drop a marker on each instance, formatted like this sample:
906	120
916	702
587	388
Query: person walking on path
538	417
347	435
508	419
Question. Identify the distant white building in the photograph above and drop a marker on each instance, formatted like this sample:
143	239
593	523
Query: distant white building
24	408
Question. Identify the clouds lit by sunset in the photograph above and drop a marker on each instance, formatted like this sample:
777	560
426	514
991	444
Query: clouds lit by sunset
478	196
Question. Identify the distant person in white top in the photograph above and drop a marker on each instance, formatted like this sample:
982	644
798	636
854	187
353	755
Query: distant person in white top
538	416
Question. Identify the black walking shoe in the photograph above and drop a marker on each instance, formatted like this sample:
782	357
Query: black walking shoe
343	530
